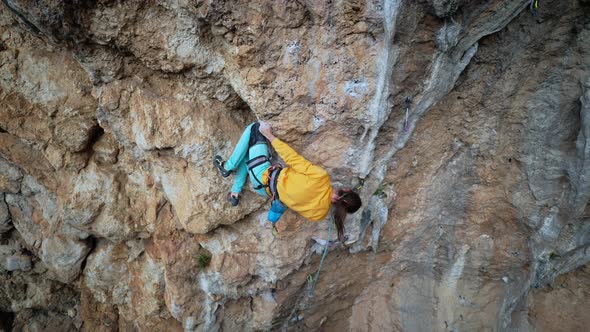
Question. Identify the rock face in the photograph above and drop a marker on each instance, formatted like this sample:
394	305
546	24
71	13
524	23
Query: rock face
475	212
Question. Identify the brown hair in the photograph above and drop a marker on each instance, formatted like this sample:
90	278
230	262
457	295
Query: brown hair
348	201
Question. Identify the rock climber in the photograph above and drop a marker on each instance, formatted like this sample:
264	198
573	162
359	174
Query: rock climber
302	187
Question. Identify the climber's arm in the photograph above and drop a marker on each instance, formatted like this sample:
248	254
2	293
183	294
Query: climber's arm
292	158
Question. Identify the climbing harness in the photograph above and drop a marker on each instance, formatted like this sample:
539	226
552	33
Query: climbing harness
257	138
277	208
258	160
273	171
252	164
273	178
312	281
407	102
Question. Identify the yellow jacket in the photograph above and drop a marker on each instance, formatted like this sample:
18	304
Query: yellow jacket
302	187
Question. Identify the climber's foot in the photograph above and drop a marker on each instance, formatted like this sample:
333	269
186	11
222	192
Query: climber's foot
218	162
233	198
348	241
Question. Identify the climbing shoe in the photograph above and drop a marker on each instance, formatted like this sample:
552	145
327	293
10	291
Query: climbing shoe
234	200
218	162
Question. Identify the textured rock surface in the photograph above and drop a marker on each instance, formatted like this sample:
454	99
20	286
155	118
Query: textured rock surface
569	292
476	212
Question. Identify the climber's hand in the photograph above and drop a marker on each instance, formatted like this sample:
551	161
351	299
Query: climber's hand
266	130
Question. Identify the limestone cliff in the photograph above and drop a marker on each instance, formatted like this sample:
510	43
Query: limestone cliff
475	213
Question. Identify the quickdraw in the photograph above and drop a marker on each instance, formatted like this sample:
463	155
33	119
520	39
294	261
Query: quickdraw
534	7
407	103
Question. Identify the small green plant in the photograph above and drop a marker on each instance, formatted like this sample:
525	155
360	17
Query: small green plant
380	192
204	260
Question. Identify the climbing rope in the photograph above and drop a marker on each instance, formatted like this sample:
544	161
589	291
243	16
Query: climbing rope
300	304
314	280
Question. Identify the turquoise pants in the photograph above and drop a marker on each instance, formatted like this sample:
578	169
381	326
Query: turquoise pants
237	162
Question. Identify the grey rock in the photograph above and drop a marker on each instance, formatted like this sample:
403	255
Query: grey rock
5	220
444	8
10	177
18	262
63	256
491	174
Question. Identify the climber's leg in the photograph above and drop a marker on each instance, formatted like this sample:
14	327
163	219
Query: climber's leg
240	151
240	179
249	146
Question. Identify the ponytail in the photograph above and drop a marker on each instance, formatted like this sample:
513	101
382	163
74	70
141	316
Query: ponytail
348	201
339	216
